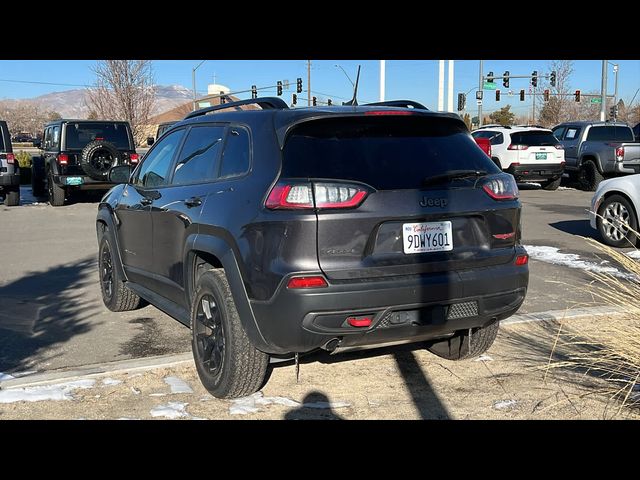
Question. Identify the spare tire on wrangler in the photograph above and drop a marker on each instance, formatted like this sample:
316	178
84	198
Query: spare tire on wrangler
98	157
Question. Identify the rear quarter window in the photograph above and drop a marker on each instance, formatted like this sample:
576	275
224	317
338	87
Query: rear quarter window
387	153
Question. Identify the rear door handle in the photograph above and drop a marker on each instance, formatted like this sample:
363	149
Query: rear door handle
193	202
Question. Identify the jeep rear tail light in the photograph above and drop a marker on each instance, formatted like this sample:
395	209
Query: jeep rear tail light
134	157
316	281
292	196
515	146
63	159
502	187
11	158
619	154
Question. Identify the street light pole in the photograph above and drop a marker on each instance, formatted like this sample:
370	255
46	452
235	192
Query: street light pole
193	82
603	92
346	75
480	86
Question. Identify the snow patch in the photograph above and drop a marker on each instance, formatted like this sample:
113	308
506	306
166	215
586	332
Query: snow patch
572	260
157	394
251	404
178	385
6	376
483	358
60	391
170	410
633	254
111	381
504	404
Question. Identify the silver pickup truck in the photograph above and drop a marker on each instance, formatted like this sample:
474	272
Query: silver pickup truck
597	150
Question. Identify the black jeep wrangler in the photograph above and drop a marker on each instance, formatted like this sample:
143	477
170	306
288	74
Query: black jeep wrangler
9	169
280	231
77	155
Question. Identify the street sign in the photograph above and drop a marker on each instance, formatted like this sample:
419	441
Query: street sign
489	86
479	102
510	93
596	100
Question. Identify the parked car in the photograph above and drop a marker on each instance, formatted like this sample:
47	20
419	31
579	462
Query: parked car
77	155
484	144
278	231
614	210
22	138
636	133
9	169
163	127
598	150
530	154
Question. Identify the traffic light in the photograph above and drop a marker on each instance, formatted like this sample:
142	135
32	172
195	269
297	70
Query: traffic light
613	112
254	91
314	101
490	77
522	95
294	99
329	102
552	78
534	78
279	88
299	85
505	79
577	95
462	101
546	95
497	95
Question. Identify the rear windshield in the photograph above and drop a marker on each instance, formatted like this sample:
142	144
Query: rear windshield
533	138
388	153
603	134
79	134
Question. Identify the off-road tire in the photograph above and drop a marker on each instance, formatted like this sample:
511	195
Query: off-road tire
98	157
242	369
119	298
590	177
463	346
552	184
57	193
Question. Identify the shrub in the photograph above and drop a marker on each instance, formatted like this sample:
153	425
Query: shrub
24	159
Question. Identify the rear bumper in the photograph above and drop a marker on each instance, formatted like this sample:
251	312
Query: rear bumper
536	171
9	180
87	183
627	167
403	309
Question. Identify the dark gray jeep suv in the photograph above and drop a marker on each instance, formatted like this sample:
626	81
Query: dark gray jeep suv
279	231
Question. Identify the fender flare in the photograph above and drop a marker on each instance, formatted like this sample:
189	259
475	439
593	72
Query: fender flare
107	216
590	156
224	252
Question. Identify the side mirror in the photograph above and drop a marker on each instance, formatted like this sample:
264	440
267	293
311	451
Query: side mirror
120	174
37	143
150	141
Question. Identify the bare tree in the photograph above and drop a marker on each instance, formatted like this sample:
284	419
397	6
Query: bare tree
124	90
23	116
559	108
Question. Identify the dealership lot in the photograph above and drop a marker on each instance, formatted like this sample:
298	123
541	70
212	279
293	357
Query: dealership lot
52	315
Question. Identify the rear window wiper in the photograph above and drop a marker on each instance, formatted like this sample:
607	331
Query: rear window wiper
452	175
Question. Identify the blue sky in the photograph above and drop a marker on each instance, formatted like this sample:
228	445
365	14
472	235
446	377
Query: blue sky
406	79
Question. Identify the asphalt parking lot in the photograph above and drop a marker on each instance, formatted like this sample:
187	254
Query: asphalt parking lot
52	316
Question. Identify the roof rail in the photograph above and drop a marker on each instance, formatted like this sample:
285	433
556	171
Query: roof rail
493	125
399	103
267	103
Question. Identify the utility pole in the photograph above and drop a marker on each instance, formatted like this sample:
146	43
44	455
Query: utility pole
308	83
533	113
382	79
480	86
193	81
450	88
441	86
615	92
603	92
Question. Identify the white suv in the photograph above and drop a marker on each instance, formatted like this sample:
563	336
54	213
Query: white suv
527	153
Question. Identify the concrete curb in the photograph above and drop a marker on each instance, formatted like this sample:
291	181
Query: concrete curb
164	361
88	371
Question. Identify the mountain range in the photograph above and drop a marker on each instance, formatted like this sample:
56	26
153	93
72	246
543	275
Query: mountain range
72	103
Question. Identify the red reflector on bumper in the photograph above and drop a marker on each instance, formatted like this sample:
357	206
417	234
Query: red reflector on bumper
307	282
504	236
359	321
522	260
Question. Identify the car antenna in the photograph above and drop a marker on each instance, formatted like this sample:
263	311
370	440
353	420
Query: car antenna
354	101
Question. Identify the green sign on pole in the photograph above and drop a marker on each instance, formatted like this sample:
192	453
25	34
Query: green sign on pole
489	86
596	100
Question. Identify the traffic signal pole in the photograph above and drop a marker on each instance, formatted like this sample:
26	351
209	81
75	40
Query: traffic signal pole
603	92
480	89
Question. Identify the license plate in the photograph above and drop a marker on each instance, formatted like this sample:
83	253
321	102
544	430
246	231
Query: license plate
75	181
541	156
427	237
